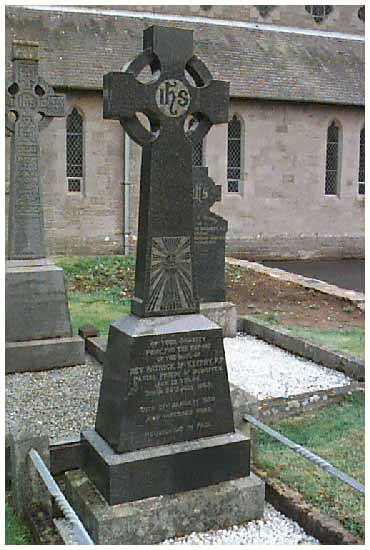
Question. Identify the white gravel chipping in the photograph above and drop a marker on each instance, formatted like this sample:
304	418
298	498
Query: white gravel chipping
268	371
273	528
65	400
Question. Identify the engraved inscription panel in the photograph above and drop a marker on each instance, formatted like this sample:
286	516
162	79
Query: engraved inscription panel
177	390
171	286
28	97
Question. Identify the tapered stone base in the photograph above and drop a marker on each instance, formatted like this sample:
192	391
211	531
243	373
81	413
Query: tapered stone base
38	330
164	381
166	469
153	520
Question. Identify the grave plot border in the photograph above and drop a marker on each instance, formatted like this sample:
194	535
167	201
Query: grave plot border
314	522
357	298
65	454
349	365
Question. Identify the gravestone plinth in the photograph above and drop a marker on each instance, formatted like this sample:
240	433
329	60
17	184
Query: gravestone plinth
166	380
38	327
164	424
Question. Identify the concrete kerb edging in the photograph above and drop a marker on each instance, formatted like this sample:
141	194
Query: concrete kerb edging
358	298
314	522
351	366
28	490
65	454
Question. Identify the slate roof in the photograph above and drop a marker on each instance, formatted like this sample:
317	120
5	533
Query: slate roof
76	50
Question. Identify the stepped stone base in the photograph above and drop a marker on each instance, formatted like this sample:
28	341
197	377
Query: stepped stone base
38	355
38	330
166	469
152	520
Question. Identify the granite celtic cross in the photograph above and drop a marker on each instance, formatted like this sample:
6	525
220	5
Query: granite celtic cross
30	102
181	86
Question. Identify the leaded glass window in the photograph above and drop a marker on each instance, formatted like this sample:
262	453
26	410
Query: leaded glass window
361	168
318	13
234	155
197	154
74	151
332	160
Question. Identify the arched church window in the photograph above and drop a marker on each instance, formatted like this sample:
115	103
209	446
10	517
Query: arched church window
74	138
361	168
234	155
332	159
197	148
197	154
319	13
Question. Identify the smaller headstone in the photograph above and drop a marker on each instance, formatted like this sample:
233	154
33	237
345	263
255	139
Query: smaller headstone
209	239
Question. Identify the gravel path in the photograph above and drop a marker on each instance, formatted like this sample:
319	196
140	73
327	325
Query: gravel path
65	400
273	528
268	371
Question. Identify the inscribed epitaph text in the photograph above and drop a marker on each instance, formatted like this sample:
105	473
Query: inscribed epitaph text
30	102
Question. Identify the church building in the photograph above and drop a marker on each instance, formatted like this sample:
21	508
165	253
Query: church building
290	161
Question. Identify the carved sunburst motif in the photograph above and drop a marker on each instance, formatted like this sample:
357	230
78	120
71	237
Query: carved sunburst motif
171	282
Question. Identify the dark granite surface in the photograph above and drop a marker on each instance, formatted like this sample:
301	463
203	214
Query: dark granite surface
166	469
163	385
164	283
165	379
209	239
30	103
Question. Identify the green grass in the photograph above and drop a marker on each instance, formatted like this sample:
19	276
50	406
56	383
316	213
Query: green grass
94	309
16	532
99	288
350	341
336	434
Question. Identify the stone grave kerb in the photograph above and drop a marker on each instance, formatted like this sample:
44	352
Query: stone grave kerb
30	104
181	86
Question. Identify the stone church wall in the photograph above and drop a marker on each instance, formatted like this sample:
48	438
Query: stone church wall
281	211
89	222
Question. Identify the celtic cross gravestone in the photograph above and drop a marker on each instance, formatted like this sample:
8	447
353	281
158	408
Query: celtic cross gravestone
37	322
30	103
164	268
164	399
